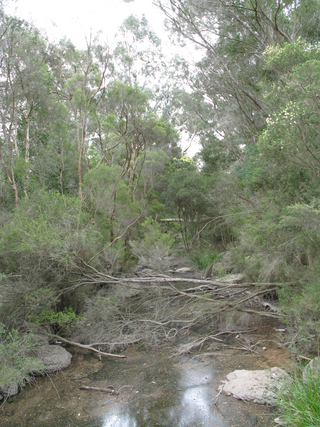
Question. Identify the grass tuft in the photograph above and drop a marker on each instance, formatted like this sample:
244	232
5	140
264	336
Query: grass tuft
300	400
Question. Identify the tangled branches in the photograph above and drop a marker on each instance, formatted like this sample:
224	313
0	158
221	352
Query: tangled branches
157	309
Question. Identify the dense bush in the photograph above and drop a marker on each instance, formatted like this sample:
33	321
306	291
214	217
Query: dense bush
16	357
155	246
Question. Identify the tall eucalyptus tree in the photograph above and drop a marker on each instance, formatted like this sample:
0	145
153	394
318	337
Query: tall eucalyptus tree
233	34
24	88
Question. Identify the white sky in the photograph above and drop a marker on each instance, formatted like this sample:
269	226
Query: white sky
76	19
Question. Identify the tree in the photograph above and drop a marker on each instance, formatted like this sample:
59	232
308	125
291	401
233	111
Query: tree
84	76
287	158
138	57
24	88
128	131
233	36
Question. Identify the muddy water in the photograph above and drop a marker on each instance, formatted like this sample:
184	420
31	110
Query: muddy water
155	390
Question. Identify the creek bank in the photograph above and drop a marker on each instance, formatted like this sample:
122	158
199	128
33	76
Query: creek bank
154	389
54	358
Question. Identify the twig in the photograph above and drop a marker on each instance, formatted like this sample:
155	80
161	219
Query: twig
244	348
105	390
126	386
53	385
217	397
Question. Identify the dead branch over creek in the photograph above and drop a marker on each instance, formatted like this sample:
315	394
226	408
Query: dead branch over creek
157	309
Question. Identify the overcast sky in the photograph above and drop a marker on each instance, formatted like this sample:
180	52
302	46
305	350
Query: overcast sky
76	19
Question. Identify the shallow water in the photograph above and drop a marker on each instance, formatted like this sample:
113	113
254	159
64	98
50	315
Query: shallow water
155	390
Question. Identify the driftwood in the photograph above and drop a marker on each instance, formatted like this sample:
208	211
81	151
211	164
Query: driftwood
110	389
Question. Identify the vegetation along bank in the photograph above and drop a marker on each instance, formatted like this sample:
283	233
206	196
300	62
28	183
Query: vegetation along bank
100	207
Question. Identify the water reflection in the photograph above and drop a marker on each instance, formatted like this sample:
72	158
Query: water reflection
183	397
196	401
119	418
196	409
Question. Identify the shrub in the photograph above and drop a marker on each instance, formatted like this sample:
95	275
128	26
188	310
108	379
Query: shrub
59	322
155	246
204	260
22	298
301	312
300	400
16	359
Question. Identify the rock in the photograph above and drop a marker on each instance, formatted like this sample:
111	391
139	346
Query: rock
54	358
255	386
226	256
9	389
279	421
312	368
184	270
231	278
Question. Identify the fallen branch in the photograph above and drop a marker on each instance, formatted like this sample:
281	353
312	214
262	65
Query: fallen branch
120	343
106	278
88	347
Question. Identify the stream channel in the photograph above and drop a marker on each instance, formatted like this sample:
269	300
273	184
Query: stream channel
155	389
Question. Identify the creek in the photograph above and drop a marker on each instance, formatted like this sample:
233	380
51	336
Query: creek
155	389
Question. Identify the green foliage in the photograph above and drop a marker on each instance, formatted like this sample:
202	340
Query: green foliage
43	231
152	236
301	312
23	297
59	321
187	190
300	400
16	357
288	156
204	259
87	150
155	245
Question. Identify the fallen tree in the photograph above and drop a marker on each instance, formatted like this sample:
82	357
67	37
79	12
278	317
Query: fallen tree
155	309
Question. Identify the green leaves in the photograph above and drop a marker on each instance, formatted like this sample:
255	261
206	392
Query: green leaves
154	247
16	363
299	398
59	322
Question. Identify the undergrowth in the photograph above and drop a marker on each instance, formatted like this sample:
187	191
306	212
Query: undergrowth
300	400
